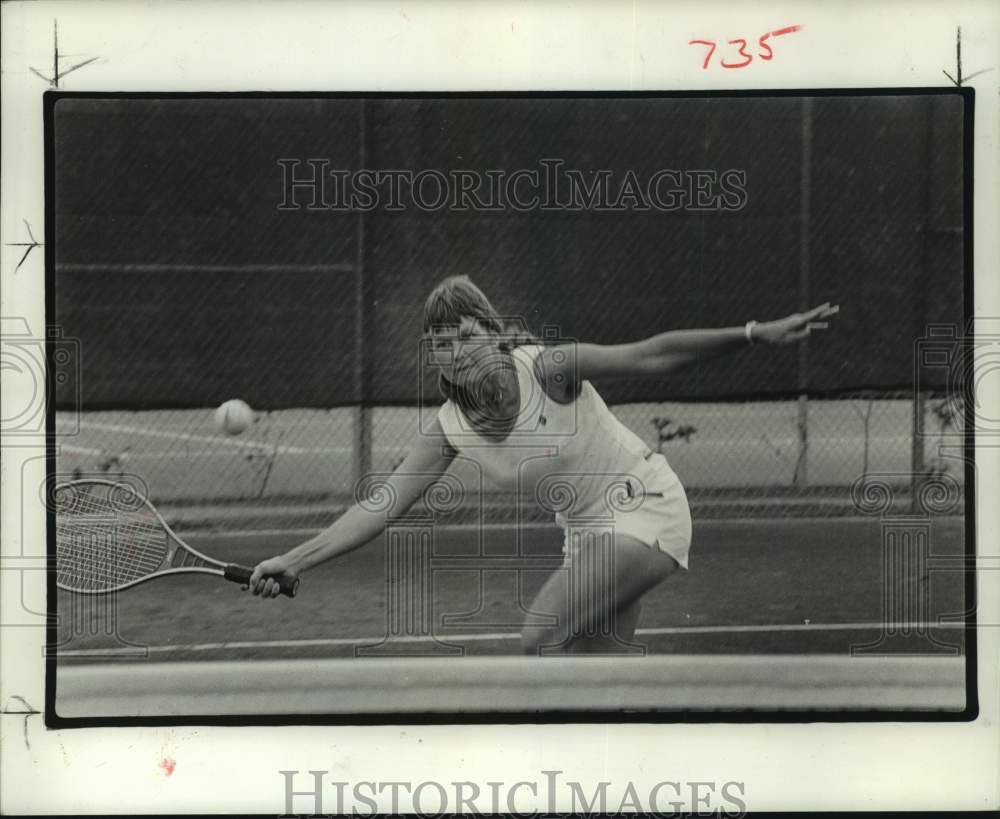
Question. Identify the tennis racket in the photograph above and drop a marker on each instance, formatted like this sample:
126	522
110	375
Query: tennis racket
109	538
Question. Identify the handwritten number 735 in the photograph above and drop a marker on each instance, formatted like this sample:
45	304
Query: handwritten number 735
739	57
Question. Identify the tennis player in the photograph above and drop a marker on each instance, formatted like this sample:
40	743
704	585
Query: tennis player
528	416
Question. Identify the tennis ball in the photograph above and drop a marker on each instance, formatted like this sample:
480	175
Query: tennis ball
234	416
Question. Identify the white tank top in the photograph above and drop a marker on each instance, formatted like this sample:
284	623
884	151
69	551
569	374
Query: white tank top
568	456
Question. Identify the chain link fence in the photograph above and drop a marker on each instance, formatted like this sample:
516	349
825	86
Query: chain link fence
295	467
192	269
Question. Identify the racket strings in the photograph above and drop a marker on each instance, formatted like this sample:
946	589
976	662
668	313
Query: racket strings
102	544
88	554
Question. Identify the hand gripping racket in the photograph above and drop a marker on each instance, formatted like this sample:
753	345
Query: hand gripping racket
110	538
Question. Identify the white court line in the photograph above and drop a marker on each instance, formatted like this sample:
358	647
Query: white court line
180	454
79	450
173	436
456	527
540	525
183	455
506	635
242	443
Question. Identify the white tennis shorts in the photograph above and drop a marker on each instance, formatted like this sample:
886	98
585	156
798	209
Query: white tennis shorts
657	515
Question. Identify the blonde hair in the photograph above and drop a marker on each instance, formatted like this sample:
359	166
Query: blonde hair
456	298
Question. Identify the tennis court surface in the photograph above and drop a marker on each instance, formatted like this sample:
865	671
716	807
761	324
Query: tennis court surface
513	685
764	600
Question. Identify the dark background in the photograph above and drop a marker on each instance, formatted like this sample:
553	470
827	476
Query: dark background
186	285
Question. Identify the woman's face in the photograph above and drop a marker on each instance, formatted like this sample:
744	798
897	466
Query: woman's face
464	353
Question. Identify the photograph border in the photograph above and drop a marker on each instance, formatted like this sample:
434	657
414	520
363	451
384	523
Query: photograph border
971	711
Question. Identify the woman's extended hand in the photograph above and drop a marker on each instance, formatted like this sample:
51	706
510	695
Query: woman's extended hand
264	580
794	327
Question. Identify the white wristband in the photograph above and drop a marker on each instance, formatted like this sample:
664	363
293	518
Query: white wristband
748	331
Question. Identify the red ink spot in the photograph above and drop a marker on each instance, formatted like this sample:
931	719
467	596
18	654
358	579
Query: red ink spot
168	765
786	30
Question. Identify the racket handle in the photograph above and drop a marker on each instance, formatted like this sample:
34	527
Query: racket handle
241	574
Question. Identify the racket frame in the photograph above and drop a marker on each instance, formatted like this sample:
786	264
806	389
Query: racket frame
174	541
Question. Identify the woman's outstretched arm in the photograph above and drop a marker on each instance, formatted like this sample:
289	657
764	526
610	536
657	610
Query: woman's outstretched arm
564	367
428	458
